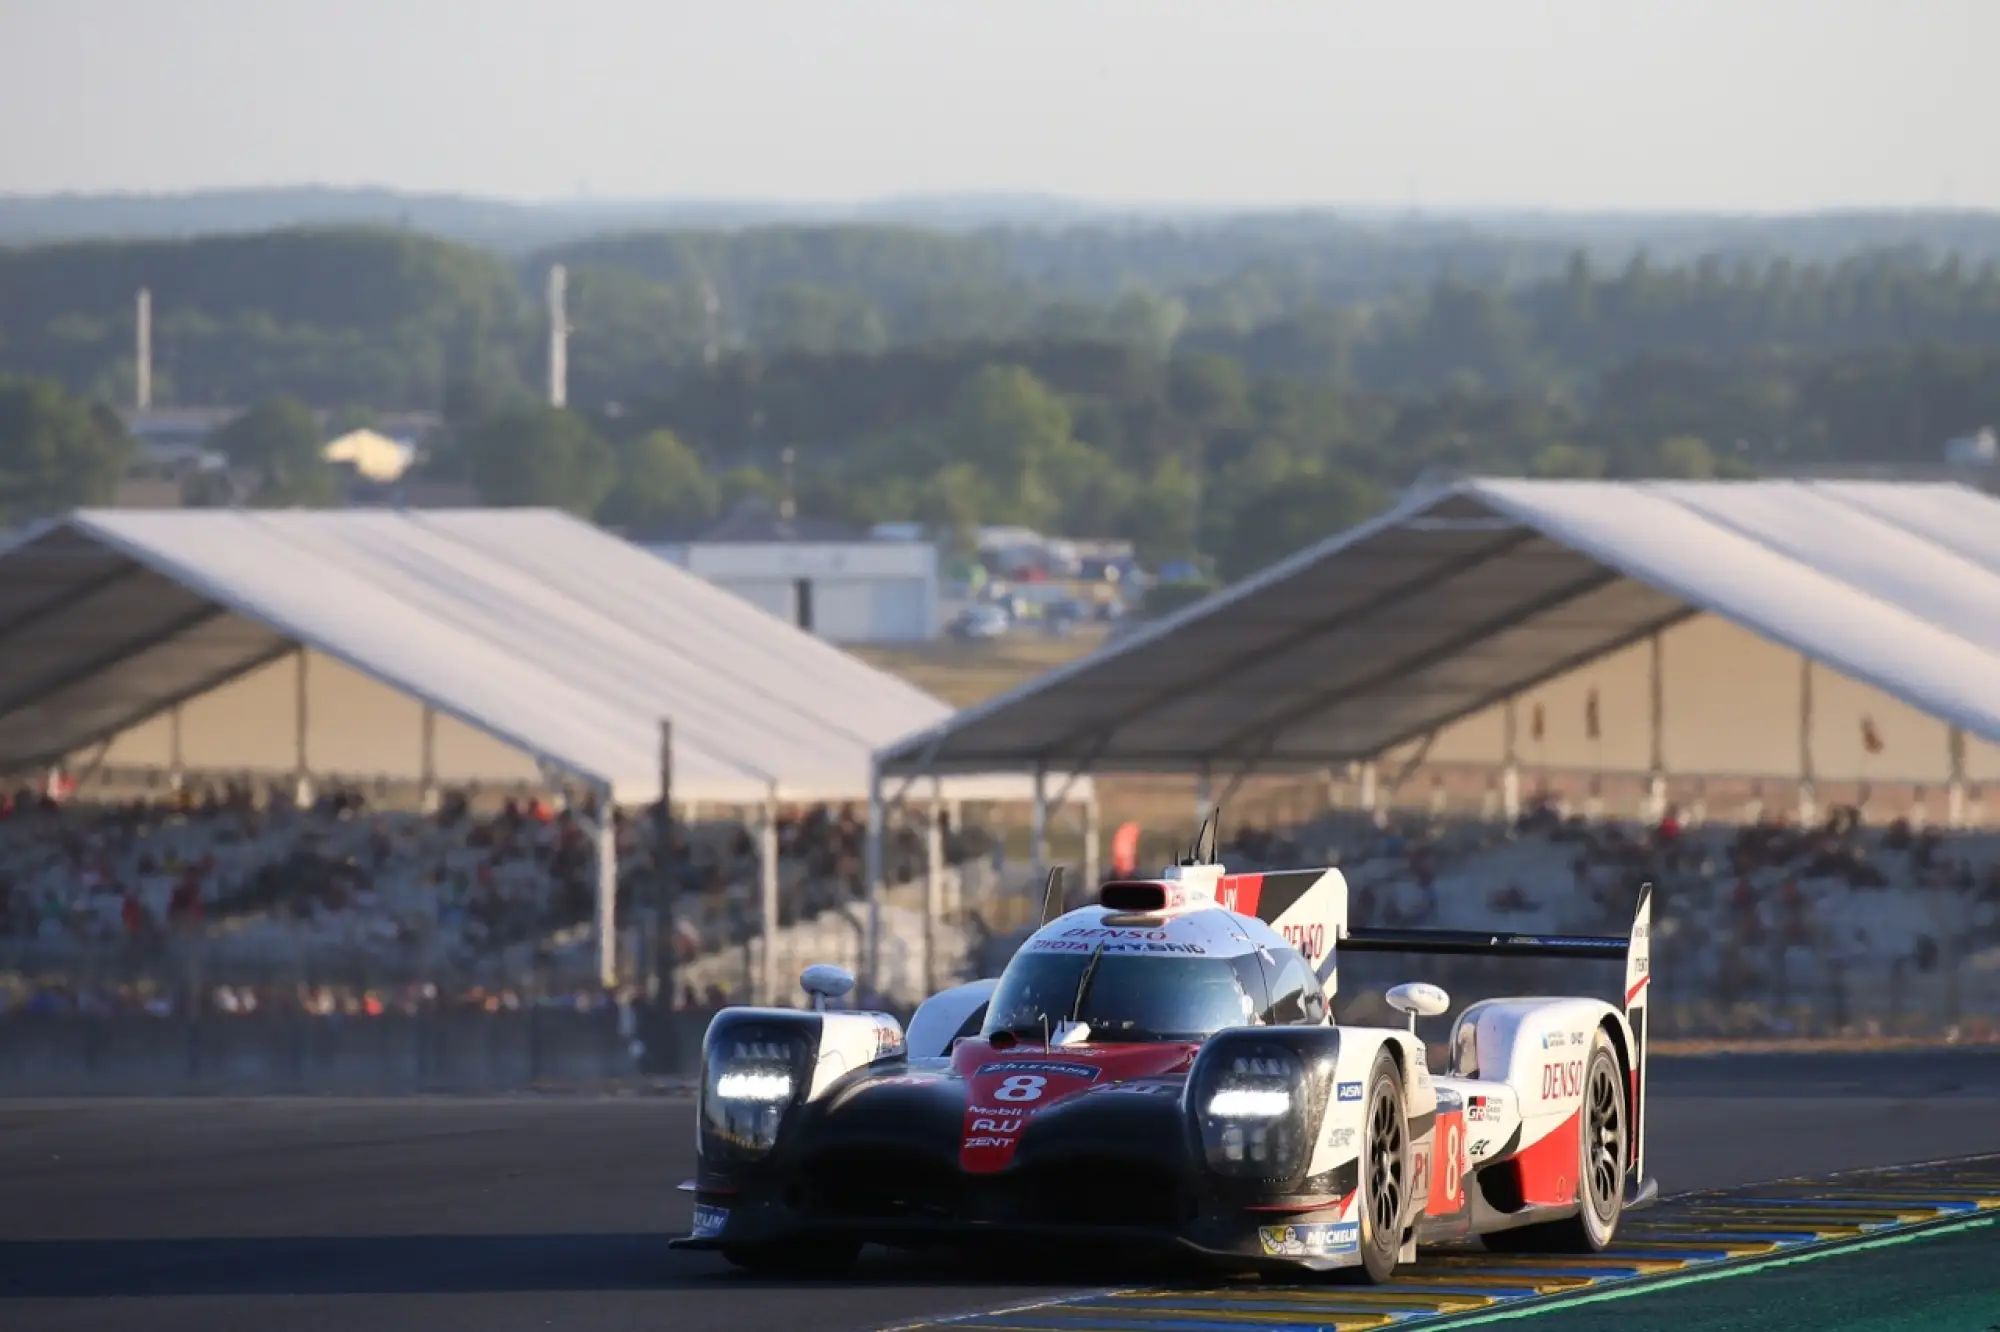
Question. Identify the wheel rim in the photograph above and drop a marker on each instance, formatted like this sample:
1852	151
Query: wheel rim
1385	1167
1604	1163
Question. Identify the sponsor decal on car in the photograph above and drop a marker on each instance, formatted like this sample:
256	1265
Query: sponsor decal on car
1309	940
1315	1241
1350	1091
1562	1081
1003	1127
1338	1138
1476	1110
709	1220
1552	1039
1041	1068
1141	1089
989	1142
1086	946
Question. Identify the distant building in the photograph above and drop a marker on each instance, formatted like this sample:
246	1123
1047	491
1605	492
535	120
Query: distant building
837	581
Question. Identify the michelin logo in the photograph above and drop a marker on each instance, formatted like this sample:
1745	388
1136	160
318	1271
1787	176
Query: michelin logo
1350	1091
709	1220
1309	1241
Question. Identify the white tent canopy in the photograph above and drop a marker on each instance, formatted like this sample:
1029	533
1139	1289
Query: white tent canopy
1422	624
492	646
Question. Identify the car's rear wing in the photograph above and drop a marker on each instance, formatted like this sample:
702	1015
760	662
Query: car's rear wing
1635	950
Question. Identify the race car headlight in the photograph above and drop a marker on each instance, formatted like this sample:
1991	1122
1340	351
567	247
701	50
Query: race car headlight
753	1077
1250	1107
755	1087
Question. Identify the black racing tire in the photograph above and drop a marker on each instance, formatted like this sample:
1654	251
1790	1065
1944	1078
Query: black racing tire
815	1257
1385	1172
1603	1144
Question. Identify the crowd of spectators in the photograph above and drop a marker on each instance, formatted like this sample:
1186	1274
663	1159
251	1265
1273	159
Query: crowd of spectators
1764	925
339	906
386	900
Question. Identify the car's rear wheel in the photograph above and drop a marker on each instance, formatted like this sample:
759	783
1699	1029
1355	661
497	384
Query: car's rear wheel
815	1257
1602	1139
1385	1171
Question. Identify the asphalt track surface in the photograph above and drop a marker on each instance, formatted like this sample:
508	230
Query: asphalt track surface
504	1214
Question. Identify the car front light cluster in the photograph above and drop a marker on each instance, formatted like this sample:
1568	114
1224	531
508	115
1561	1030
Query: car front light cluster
1252	1112
753	1078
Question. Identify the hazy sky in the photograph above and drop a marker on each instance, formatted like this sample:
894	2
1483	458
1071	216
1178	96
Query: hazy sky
1736	104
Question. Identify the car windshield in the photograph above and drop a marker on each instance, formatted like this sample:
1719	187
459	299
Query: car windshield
1131	997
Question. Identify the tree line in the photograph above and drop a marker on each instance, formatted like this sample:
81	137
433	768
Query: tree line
392	319
1233	413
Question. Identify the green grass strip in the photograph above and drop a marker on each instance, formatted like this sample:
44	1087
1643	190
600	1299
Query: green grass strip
1643	1286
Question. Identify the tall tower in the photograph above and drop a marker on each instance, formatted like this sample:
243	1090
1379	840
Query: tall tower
559	331
142	353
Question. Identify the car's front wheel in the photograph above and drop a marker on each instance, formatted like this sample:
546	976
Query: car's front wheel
1385	1171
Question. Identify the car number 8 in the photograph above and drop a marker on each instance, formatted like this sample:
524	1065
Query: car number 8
1021	1087
1454	1139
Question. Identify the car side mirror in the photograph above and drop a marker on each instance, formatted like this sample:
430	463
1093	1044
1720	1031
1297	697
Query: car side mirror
824	981
1419	999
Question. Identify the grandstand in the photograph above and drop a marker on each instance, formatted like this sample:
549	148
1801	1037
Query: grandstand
1814	637
503	676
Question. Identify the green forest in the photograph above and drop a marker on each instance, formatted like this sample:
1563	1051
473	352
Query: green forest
1230	390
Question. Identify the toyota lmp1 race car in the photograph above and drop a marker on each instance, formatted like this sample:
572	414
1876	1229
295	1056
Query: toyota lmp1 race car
1163	1068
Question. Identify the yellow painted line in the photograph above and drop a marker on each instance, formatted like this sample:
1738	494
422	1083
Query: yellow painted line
1777	1217
1980	1200
1247	1317
1734	1248
1610	1259
1541	1285
1307	1299
1363	1316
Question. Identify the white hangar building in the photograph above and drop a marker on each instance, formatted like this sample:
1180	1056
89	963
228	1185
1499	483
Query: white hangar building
834	581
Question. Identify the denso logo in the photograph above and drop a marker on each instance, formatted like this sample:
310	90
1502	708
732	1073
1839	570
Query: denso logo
1310	940
1562	1081
1006	1126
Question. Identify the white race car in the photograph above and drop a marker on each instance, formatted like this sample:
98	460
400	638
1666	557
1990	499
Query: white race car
1164	1067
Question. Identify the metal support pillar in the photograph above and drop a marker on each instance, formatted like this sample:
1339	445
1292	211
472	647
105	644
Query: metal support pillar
607	892
1656	761
1093	850
176	762
302	791
872	872
1808	806
665	886
1510	762
1954	791
427	762
768	985
1038	825
1371	794
933	884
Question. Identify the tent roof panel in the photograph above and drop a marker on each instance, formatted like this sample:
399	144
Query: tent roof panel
556	638
1459	598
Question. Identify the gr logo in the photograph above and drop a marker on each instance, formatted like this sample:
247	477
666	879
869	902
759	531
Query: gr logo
996	1126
